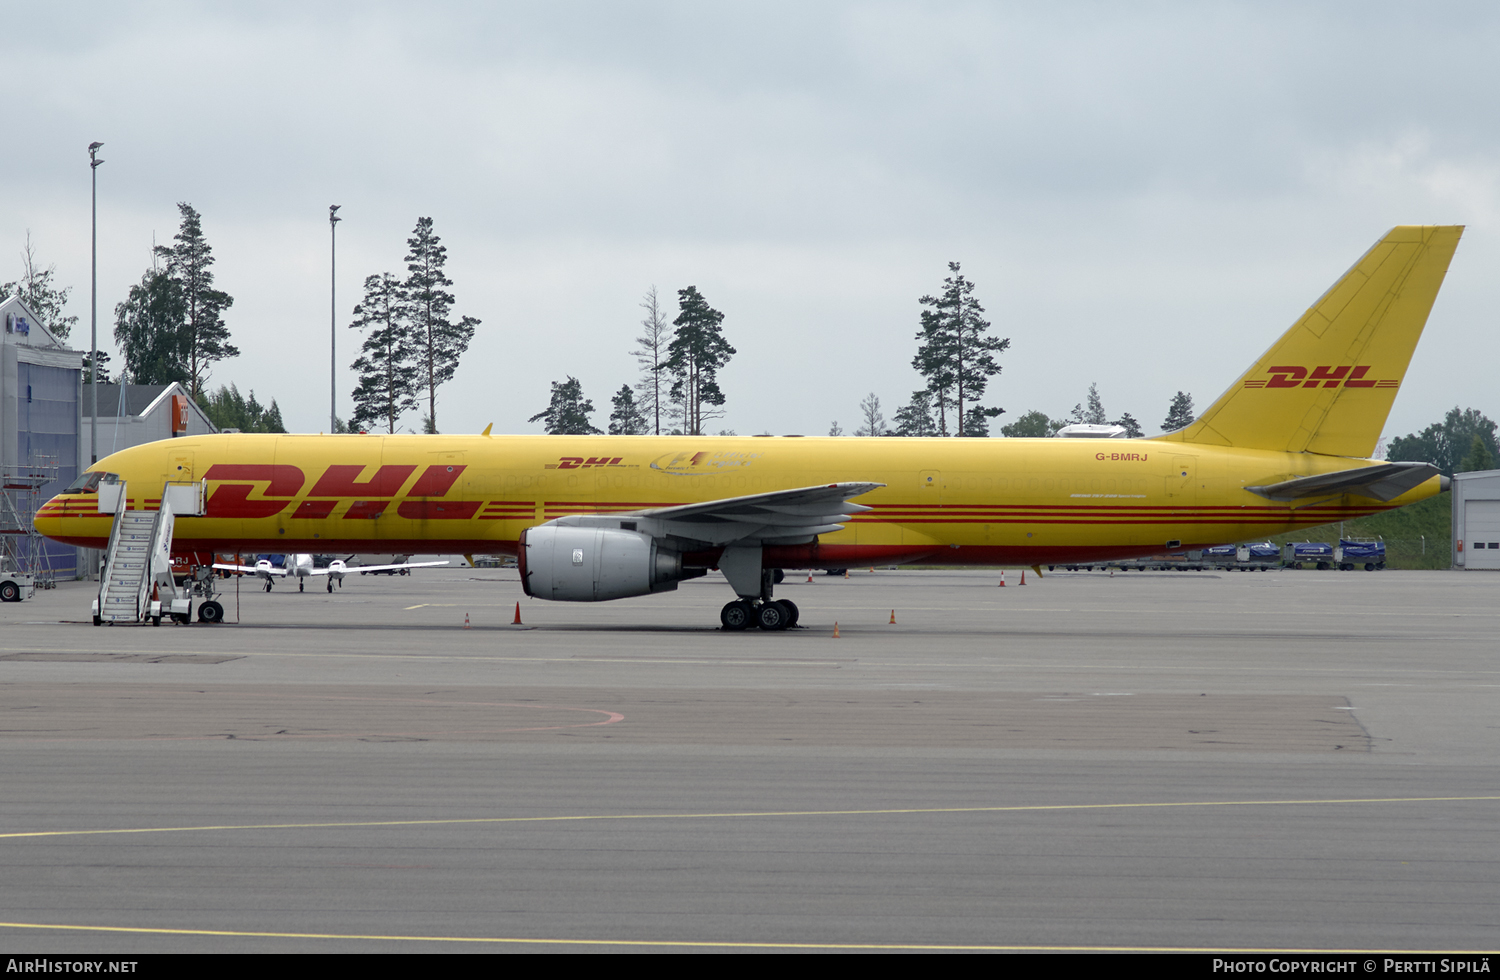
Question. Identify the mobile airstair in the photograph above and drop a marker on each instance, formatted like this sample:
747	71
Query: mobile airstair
136	583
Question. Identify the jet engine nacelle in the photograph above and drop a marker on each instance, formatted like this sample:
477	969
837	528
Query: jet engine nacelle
590	564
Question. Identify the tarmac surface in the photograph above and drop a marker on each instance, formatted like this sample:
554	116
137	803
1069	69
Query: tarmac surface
1220	761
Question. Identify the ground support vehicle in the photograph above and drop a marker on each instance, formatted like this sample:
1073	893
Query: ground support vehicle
1354	552
15	585
1299	554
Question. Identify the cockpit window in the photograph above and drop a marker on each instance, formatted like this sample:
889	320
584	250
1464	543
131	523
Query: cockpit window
89	482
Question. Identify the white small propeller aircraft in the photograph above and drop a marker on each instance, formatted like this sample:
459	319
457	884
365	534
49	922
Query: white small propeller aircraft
302	567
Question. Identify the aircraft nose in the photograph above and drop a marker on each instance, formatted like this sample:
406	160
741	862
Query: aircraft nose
48	519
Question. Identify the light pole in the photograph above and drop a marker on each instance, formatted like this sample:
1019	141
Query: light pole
94	162
333	318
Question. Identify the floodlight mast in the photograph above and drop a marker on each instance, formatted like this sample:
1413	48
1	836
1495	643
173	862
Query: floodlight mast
94	162
333	318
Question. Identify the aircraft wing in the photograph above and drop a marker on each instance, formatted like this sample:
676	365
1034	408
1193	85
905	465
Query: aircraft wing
1384	482
779	517
251	569
349	569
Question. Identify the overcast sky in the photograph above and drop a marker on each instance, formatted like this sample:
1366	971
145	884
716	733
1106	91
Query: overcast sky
1146	195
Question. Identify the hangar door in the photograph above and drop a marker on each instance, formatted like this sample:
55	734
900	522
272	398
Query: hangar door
1482	534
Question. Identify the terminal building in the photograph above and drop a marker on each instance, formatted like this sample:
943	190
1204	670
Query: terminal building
1476	520
41	397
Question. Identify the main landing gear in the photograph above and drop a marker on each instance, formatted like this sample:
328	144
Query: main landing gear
752	611
743	614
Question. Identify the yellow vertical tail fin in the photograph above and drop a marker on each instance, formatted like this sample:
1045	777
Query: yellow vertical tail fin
1328	384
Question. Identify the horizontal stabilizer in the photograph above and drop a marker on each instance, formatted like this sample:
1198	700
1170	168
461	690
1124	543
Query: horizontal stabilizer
1384	482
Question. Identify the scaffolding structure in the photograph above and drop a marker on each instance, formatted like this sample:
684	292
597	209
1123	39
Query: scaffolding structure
21	547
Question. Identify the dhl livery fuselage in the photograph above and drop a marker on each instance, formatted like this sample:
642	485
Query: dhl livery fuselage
1017	502
1262	459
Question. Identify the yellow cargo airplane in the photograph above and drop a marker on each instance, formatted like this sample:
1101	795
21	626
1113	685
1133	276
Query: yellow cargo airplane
605	517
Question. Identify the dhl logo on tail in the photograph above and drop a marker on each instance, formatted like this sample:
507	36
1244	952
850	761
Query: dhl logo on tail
1326	375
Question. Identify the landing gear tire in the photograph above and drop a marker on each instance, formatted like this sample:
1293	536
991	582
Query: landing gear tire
300	585
773	616
182	619
330	585
210	612
737	615
155	620
792	614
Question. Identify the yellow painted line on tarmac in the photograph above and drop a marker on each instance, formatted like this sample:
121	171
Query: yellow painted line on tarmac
730	944
745	814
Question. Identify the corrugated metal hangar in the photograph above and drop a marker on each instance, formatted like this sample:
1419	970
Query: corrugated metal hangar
40	396
1476	520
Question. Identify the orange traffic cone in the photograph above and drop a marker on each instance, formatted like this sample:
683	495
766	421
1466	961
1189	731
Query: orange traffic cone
835	629
1002	578
893	618
466	620
1023	576
846	573
809	576
517	620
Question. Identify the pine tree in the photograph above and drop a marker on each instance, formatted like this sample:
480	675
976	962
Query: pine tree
916	418
652	357
228	409
1095	414
977	421
626	418
46	300
956	357
149	333
205	338
1180	413
694	357
386	366
103	371
568	415
874	419
1131	426
439	341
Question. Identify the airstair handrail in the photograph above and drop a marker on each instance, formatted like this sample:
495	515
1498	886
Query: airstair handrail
109	550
